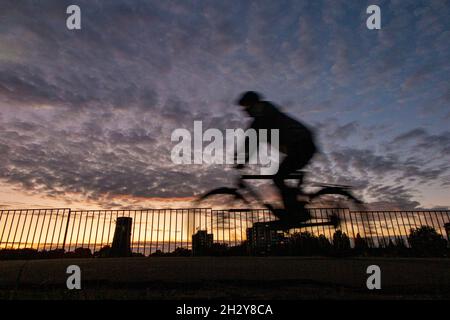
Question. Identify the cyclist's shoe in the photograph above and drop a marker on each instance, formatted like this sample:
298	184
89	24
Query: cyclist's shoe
334	220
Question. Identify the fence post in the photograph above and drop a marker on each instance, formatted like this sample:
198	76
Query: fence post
65	232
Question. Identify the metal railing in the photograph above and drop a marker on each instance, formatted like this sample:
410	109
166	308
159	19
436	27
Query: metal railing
168	229
42	229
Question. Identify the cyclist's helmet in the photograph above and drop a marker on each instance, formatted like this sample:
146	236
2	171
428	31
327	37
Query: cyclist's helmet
248	98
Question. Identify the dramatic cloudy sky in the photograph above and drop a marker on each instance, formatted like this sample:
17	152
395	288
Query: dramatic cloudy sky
86	116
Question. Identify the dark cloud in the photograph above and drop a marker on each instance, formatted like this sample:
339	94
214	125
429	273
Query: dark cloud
91	111
412	134
424	143
345	131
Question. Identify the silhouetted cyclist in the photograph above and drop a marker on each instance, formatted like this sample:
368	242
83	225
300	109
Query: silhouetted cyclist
296	142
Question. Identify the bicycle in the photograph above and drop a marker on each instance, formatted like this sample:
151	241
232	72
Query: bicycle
286	222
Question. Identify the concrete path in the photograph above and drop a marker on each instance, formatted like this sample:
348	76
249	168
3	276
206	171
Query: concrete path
254	277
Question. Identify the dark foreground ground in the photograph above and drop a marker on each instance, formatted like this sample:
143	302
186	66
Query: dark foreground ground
226	278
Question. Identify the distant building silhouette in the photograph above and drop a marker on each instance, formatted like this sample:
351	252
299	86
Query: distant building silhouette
262	240
202	242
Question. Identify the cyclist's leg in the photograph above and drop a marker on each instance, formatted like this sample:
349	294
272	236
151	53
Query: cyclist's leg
288	193
293	162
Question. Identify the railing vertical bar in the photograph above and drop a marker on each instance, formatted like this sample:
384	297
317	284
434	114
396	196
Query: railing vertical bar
90	232
397	235
194	212
217	226
440	223
73	236
86	234
212	225
434	221
102	243
410	225
23	229
321	219
325	215
380	226
36	227
71	233
404	228
355	225
145	232
229	228
241	226
310	229
29	229
347	232
316	228
151	233
200	219
235	240
61	234
48	228
184	228
96	230
158	230
443	221
11	227
60	219
193	223
181	229
54	229
139	232
424	214
170	228
387	222
42	228
188	231
353	228
365	221
364	236
393	227
41	222
1	218
17	228
84	228
4	227
176	227
414	219
235	229
376	229
111	214
223	227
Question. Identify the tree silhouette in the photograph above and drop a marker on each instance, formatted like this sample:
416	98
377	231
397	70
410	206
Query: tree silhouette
324	245
304	243
341	243
426	242
361	245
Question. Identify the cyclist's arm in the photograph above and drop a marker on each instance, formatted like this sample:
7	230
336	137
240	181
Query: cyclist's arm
245	147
